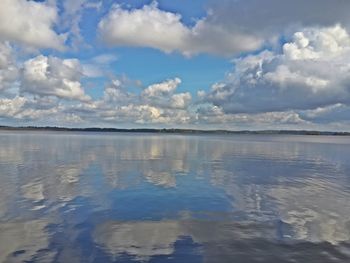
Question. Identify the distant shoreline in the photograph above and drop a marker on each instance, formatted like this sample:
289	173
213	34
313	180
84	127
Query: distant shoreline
176	131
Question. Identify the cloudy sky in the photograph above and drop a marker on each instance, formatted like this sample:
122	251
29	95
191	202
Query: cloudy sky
228	64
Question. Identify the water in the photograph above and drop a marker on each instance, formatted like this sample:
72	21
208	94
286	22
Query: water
71	197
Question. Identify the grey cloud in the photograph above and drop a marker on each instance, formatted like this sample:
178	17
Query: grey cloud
326	115
311	71
274	16
8	68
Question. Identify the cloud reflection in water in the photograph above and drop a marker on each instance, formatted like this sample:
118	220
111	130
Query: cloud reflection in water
100	198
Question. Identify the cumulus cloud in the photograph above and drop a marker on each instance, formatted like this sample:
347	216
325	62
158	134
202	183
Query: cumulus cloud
311	71
155	28
51	76
27	109
30	23
208	114
163	95
181	100
157	104
11	107
230	27
302	82
115	93
162	89
148	26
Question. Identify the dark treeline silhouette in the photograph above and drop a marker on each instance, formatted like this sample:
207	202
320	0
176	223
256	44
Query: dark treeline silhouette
181	131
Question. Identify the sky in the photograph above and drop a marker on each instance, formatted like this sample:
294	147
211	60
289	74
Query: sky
203	64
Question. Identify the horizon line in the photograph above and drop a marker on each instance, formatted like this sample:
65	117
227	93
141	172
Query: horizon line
178	130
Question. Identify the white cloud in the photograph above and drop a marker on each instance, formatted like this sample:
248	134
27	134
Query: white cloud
116	93
157	104
312	71
148	27
180	100
229	28
162	89
144	114
23	108
51	76
208	114
30	23
155	28
163	95
11	107
303	82
8	68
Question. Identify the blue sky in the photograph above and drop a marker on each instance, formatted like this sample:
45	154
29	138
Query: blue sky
233	64
149	65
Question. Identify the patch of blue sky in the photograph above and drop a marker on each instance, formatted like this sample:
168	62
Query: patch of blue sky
147	65
152	66
189	10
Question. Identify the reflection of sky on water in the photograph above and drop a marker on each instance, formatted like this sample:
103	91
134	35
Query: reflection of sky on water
135	197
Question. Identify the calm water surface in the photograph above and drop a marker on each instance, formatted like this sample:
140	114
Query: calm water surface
70	197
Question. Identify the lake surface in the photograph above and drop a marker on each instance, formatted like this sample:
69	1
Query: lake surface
89	197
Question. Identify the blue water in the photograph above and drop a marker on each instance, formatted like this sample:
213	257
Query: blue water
89	197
